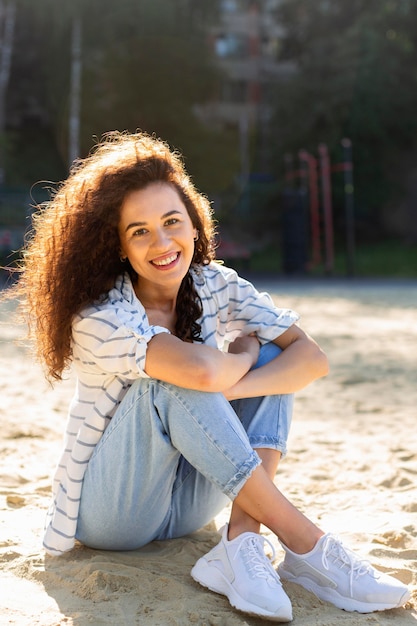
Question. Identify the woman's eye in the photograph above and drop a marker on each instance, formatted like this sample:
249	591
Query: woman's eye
171	221
139	232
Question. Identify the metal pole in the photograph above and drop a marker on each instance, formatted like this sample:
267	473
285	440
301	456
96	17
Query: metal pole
326	190
75	92
349	206
309	182
7	36
289	170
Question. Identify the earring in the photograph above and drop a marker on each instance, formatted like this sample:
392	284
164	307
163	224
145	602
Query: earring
123	259
197	235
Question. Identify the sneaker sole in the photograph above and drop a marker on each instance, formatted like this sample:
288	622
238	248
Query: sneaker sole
202	574
341	602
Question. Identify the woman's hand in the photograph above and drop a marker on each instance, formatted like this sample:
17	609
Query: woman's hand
300	363
246	343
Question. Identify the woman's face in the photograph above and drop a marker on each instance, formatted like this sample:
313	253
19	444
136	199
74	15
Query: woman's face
157	235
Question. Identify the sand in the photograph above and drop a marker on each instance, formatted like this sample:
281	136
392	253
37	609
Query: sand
352	467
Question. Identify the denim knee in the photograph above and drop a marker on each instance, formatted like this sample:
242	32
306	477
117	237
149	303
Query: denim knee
267	353
267	420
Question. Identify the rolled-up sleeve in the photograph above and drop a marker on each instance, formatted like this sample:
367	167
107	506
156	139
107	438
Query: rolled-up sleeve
105	342
257	312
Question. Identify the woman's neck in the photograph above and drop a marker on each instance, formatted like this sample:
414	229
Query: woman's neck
156	298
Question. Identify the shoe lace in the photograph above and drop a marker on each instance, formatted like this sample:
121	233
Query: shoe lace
257	563
335	551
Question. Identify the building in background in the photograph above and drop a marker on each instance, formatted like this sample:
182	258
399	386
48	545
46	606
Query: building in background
245	43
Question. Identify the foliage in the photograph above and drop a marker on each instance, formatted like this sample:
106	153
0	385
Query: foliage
145	66
355	78
389	259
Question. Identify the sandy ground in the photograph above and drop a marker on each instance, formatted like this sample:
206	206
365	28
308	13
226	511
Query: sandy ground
352	467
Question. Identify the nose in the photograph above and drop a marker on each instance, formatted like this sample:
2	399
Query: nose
160	239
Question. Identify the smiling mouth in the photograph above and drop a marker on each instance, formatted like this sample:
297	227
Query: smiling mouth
169	260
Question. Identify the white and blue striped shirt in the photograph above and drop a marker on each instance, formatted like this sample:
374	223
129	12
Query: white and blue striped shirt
109	352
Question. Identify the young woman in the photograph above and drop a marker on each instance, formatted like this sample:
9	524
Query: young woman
185	381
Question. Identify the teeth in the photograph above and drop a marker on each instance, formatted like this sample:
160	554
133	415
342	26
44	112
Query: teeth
167	261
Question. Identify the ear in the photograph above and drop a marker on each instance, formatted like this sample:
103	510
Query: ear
196	234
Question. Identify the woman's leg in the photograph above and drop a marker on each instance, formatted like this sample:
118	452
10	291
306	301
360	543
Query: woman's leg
237	567
318	562
240	521
267	422
168	461
261	499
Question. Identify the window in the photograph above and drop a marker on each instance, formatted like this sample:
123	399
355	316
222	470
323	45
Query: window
229	6
230	45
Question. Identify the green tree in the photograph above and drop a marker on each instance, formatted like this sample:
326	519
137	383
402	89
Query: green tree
7	28
144	65
355	78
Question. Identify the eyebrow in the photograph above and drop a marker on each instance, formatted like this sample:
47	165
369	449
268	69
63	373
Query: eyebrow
163	217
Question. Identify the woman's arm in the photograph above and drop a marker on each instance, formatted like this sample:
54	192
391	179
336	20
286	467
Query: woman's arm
301	362
197	366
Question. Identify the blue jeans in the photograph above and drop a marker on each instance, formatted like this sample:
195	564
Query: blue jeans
171	459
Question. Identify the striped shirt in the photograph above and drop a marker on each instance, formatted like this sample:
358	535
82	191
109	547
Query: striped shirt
110	339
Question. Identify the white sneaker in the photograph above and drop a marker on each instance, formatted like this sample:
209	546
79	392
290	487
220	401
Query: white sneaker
335	574
240	570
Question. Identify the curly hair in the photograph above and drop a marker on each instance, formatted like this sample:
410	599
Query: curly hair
72	255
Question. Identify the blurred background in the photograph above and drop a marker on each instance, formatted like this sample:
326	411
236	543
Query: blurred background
298	119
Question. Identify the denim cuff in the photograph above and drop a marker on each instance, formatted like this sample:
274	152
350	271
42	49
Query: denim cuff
271	443
239	479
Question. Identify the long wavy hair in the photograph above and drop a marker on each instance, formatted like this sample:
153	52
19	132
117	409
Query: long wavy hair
72	255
